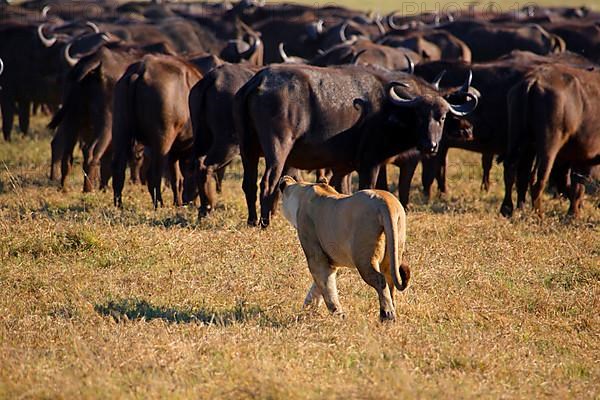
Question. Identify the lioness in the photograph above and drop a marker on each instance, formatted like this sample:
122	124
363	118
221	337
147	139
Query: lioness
366	230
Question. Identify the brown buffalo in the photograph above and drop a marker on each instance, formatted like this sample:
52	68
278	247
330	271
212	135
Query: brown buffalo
553	118
215	139
151	107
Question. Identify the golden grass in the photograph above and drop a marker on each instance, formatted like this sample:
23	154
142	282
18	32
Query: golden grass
102	303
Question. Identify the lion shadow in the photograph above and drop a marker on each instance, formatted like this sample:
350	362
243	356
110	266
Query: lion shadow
134	309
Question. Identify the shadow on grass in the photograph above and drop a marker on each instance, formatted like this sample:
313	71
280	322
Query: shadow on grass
174	221
133	309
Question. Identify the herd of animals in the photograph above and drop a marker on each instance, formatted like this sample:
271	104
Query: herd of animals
180	89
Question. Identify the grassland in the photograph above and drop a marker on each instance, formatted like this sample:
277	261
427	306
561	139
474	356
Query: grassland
97	302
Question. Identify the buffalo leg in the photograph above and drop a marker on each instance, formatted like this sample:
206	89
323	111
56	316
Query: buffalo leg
219	176
210	174
206	189
57	148
67	159
382	181
341	182
157	161
407	171
24	110
136	164
89	178
577	189
442	161
428	173
487	159
543	173
8	115
105	171
507	207
524	176
276	153
367	177
176	182
250	159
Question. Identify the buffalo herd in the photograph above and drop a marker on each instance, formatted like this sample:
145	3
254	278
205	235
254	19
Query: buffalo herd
178	90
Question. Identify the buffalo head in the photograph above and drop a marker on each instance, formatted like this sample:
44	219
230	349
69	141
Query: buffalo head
431	108
248	46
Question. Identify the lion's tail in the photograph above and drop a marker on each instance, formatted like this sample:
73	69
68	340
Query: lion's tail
399	270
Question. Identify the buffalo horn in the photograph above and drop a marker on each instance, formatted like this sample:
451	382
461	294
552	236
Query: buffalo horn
92	26
282	54
70	60
401	101
45	11
411	65
47	42
465	87
438	79
460	110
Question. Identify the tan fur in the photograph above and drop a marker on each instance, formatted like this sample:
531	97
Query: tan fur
366	230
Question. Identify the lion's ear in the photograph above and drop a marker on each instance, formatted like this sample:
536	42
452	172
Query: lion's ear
285	181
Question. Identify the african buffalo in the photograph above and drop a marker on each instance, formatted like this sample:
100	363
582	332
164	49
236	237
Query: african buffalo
86	112
215	139
430	44
151	107
490	41
490	120
345	118
553	118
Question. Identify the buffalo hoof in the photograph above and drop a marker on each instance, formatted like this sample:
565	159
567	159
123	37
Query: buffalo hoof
506	210
252	222
203	212
386	315
264	222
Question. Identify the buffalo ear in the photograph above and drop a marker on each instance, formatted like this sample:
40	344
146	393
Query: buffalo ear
285	181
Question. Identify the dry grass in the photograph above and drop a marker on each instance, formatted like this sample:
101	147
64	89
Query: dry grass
101	303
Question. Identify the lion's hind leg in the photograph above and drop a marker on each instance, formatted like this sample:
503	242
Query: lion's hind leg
324	276
369	271
314	298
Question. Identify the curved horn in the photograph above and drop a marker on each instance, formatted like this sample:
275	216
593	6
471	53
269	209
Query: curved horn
343	37
319	26
45	11
47	42
70	60
450	17
357	56
465	87
401	101
390	21
411	65
1	66
282	54
461	110
380	26
438	79
92	26
248	53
